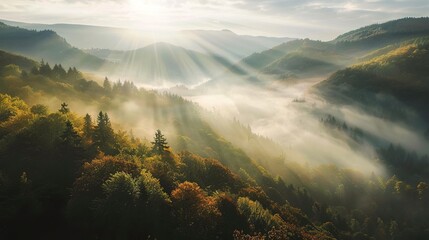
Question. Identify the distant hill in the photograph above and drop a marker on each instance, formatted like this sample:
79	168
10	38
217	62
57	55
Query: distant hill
213	42
165	63
46	45
401	73
302	57
296	63
378	35
305	57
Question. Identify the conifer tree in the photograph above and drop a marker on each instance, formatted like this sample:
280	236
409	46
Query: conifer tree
104	136
107	85
64	108
87	126
70	137
160	143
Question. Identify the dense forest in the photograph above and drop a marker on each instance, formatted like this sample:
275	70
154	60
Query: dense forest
68	174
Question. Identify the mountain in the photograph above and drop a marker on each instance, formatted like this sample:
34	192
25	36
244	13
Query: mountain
401	73
95	36
156	64
46	45
224	43
305	57
162	63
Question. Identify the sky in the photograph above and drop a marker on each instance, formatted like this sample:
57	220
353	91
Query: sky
315	19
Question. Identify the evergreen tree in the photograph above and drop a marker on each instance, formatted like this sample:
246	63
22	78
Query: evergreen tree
70	137
107	85
87	126
160	143
58	72
73	74
104	136
70	154
64	108
45	69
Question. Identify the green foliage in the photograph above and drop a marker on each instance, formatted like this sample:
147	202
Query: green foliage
39	109
121	192
151	189
260	218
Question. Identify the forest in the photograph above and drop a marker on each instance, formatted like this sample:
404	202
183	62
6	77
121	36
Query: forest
65	174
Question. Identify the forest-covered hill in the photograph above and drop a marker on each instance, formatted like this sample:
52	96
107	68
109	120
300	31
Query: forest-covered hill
401	72
46	45
71	167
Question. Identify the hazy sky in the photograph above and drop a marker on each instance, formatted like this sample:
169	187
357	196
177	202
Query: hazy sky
320	19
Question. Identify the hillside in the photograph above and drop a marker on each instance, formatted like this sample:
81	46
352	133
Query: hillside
300	58
380	35
391	31
46	45
295	63
67	181
401	73
306	56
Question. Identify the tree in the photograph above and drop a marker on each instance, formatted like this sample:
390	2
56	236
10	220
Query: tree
197	213
58	71
107	85
69	153
87	126
70	136
160	143
104	136
116	210
64	108
39	109
45	69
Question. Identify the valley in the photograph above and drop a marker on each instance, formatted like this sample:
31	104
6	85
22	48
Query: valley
214	135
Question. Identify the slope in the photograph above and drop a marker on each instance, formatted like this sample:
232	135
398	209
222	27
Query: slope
401	73
377	35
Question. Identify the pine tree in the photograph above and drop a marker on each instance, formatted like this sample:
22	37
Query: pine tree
70	137
160	143
64	108
104	136
87	126
106	85
45	69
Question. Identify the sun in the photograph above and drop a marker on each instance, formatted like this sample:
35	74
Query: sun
153	14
